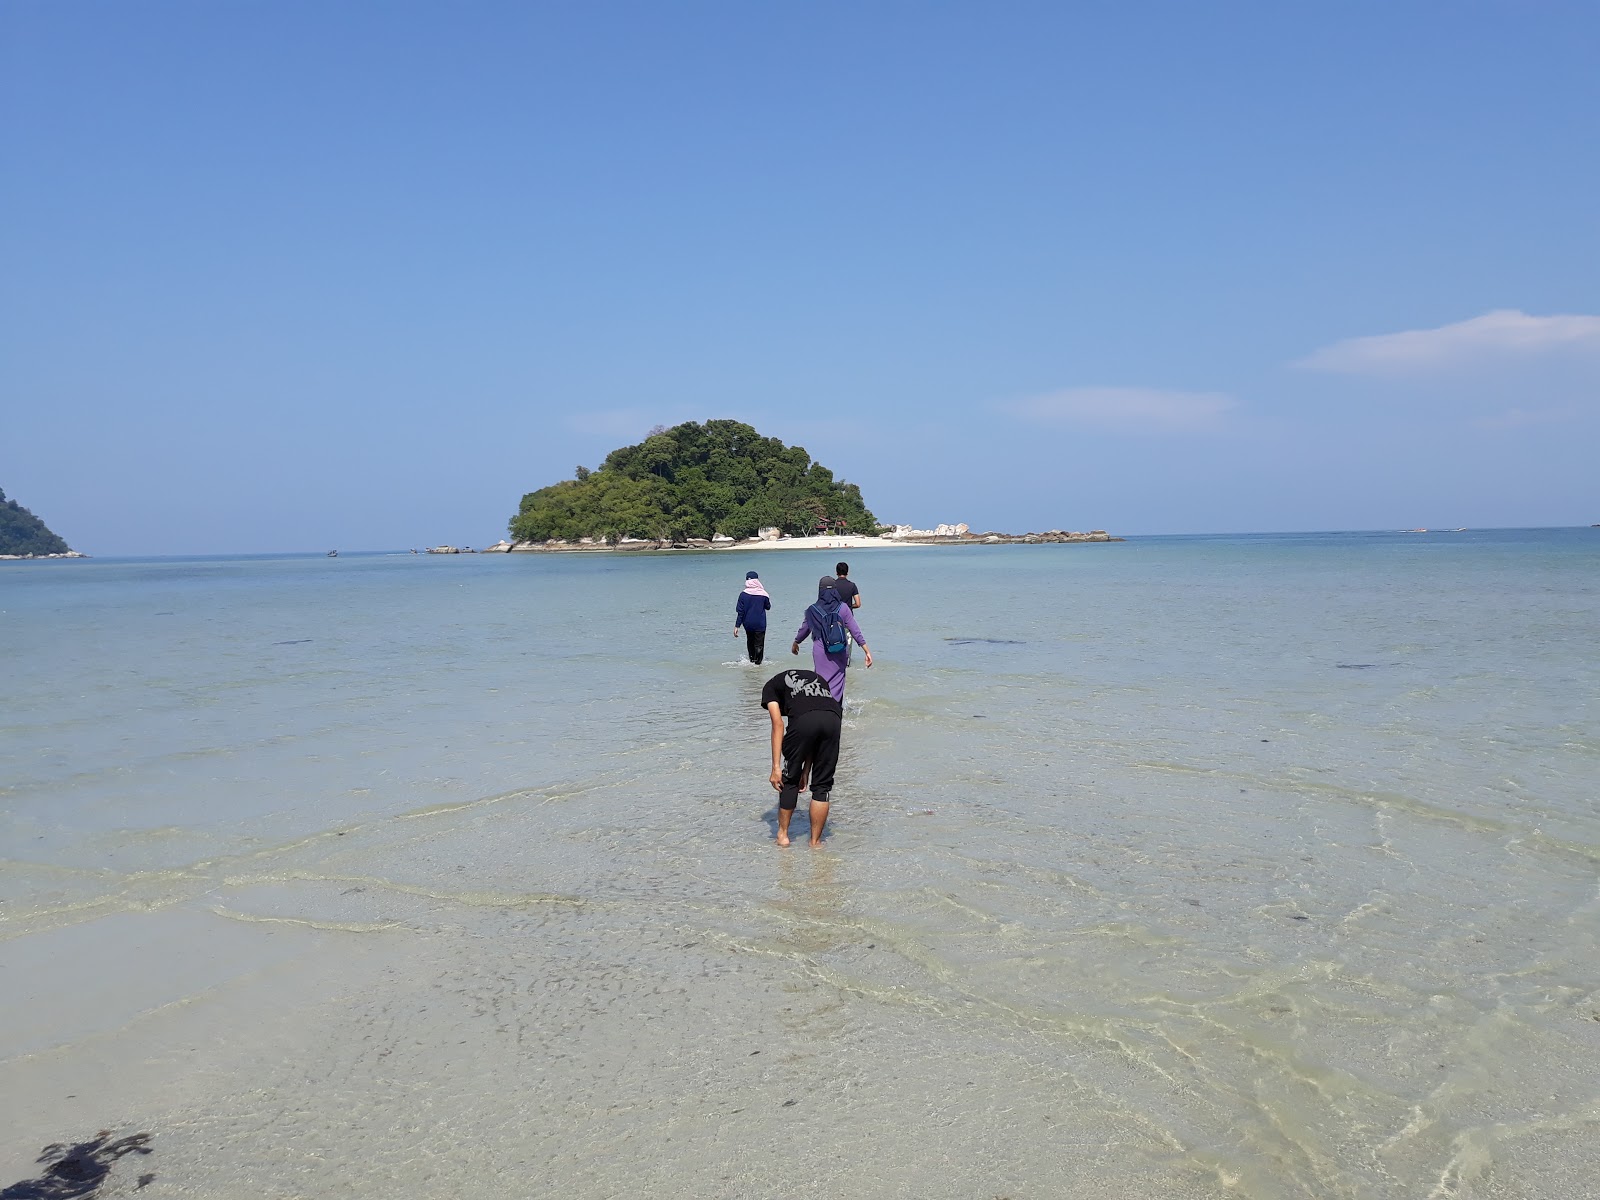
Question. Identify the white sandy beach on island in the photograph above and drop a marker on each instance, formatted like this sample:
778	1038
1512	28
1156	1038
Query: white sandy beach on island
839	542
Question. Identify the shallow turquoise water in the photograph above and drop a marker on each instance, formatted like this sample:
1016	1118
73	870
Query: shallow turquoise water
1258	866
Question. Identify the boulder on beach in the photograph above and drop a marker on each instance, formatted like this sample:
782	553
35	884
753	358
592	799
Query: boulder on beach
943	530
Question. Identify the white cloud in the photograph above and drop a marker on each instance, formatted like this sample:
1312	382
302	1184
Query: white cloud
1503	333
1125	409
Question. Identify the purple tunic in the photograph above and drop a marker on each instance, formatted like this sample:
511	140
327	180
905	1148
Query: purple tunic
831	666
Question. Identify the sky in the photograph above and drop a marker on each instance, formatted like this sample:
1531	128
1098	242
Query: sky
290	276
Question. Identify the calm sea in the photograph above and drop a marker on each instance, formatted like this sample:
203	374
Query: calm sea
1257	866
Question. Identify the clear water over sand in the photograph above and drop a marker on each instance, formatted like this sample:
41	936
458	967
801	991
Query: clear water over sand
1249	867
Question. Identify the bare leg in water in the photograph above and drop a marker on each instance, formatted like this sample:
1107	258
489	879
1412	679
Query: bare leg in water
819	818
785	815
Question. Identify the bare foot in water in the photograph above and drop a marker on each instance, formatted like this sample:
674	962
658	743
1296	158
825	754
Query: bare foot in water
783	839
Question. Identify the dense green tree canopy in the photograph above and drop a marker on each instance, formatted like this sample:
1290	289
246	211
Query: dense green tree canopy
694	481
23	533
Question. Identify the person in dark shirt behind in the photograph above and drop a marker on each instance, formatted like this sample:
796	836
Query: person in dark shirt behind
849	596
848	591
810	747
752	609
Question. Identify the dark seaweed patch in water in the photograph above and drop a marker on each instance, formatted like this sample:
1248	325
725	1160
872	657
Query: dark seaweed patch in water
964	641
294	642
71	1171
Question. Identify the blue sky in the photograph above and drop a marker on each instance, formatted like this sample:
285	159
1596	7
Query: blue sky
295	276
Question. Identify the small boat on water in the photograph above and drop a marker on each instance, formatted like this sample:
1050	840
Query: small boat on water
333	554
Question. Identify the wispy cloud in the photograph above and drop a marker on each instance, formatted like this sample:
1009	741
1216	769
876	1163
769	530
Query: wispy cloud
1125	409
1506	332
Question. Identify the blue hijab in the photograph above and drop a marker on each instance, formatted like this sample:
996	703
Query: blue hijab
824	610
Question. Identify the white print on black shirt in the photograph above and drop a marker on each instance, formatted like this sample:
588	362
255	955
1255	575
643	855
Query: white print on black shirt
807	687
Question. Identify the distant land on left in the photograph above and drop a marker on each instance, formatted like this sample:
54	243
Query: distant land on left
23	535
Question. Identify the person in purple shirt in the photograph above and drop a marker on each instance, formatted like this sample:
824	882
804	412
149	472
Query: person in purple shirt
830	666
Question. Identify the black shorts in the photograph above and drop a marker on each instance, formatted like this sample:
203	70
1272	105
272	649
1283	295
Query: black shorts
812	738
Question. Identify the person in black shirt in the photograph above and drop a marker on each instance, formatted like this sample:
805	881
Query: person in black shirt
849	595
810	747
848	591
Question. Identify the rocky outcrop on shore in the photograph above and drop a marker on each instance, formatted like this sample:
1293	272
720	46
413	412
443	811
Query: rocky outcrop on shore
26	557
908	533
943	534
1047	536
560	545
1034	539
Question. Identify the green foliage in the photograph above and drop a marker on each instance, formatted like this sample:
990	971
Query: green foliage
694	481
23	533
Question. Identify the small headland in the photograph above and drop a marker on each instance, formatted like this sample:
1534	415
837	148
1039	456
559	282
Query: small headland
24	536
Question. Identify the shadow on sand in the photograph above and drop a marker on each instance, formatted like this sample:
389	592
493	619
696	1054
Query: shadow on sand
79	1170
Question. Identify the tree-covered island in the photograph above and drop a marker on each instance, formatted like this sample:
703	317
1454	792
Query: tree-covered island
23	534
695	481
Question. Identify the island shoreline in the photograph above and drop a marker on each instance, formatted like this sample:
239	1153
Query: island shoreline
832	542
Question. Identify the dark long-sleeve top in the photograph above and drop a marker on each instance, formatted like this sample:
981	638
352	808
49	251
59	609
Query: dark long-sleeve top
752	612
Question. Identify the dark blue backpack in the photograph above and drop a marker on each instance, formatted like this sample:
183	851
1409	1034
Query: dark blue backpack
834	636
